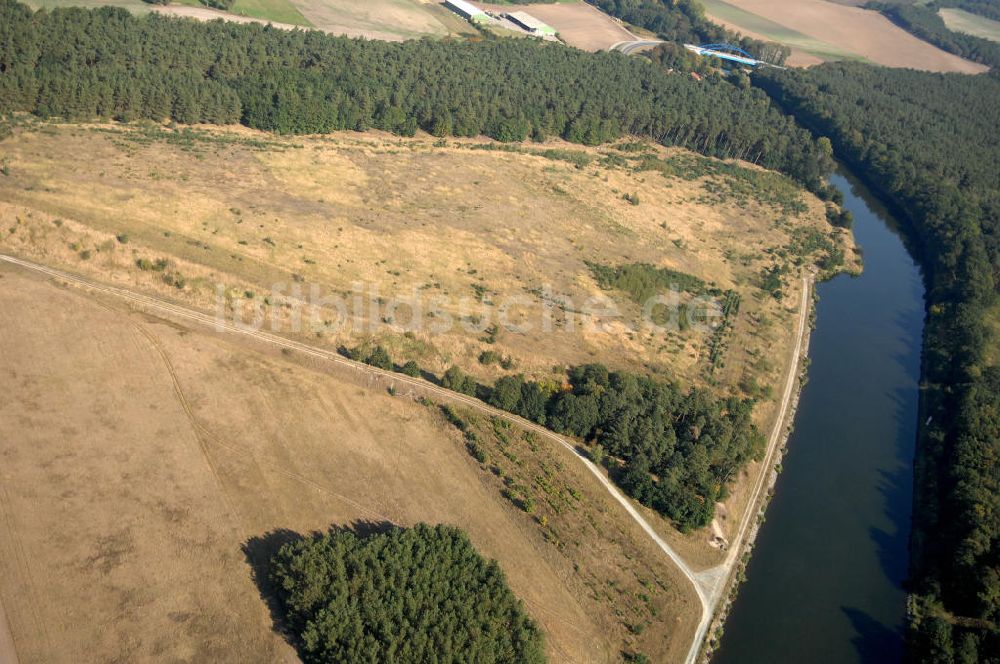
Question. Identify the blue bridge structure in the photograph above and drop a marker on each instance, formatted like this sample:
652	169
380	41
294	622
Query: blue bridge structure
728	52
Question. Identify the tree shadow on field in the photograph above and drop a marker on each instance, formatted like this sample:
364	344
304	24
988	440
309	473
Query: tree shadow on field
259	550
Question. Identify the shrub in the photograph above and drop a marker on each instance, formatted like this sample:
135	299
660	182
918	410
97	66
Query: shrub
475	449
146	265
455	379
488	357
376	356
642	281
838	217
379	357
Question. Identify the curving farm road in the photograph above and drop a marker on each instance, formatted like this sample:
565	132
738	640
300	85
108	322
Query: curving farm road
708	584
630	47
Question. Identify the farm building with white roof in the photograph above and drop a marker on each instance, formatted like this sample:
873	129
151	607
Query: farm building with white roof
531	24
467	10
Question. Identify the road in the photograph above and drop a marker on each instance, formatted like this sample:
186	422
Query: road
630	47
708	585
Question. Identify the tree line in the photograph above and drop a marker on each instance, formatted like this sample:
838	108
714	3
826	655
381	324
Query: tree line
420	594
82	64
674	450
928	145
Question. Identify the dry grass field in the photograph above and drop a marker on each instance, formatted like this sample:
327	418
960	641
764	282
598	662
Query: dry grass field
819	30
578	23
142	458
428	251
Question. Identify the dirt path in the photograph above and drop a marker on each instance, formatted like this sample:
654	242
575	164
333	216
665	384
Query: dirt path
708	585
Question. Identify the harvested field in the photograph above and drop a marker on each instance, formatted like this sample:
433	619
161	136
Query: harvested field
806	50
971	24
578	23
280	13
391	20
387	20
822	30
141	455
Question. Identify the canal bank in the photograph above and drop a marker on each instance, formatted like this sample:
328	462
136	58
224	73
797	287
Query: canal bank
824	583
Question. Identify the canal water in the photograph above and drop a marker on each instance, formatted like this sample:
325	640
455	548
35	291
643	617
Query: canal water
825	580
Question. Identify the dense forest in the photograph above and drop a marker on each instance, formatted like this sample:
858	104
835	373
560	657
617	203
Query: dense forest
421	594
925	22
672	450
81	64
928	145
